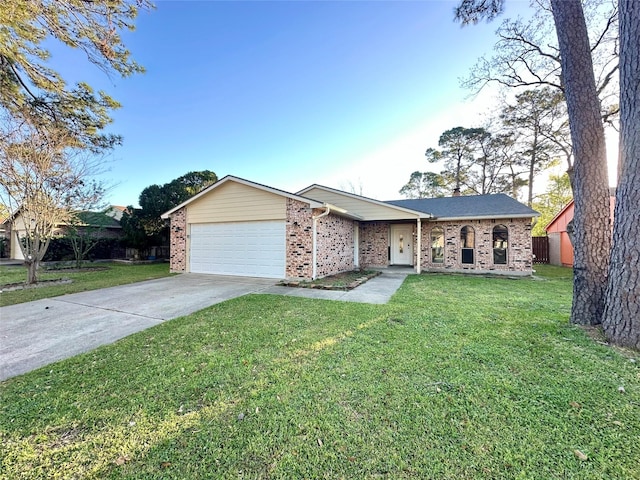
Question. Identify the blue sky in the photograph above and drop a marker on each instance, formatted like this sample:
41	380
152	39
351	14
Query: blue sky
290	93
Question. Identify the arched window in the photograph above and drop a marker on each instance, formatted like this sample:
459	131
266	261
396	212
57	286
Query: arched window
467	244
437	245
500	244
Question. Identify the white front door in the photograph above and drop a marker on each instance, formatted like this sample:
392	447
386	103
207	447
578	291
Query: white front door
401	245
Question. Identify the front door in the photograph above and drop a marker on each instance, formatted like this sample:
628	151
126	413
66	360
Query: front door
401	245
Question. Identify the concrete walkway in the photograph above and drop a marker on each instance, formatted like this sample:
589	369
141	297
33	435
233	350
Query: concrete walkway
38	333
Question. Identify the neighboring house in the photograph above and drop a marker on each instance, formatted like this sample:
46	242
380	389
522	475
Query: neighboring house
5	232
102	224
238	227
560	248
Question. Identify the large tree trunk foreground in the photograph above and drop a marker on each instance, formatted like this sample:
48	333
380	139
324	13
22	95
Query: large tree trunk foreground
621	321
592	235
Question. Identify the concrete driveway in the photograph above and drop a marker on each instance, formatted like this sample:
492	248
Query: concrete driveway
37	333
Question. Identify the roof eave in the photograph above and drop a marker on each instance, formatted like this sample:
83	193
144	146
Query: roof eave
342	212
559	214
485	217
381	203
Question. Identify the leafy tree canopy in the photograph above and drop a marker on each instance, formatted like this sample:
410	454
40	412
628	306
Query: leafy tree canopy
474	162
557	195
526	137
157	199
538	123
29	86
458	151
425	185
144	227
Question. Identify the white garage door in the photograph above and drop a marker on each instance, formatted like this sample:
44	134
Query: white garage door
251	249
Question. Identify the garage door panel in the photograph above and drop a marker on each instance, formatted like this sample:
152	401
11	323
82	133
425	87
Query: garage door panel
245	248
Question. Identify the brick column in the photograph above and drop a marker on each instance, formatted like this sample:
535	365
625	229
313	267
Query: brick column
299	232
178	241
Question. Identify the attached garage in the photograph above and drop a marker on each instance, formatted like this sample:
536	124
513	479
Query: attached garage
255	249
241	228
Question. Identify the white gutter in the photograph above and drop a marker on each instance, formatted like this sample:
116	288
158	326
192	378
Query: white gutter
419	245
314	273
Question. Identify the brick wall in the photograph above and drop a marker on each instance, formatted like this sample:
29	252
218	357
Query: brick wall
374	244
178	241
519	251
334	237
299	247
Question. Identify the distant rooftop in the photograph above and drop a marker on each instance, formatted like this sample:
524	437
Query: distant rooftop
98	219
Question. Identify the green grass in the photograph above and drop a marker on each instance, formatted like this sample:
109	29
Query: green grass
114	274
456	378
552	272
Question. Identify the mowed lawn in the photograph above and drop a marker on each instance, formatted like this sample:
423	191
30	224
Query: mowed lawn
456	378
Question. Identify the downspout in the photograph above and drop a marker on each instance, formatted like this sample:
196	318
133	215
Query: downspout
314	273
419	246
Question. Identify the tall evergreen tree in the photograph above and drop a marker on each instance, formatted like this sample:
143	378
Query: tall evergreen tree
539	119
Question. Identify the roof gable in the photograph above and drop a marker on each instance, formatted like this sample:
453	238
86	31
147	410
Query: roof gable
564	210
242	181
496	205
560	214
367	209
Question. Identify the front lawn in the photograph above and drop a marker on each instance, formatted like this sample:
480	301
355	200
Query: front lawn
101	276
458	377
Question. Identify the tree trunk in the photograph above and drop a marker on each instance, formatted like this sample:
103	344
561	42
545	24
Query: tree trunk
621	321
32	271
26	247
33	249
592	236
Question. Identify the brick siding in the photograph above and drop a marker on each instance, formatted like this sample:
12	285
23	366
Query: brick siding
334	239
374	244
519	249
178	241
299	246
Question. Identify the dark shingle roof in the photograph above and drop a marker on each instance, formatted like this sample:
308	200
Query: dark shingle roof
468	206
98	219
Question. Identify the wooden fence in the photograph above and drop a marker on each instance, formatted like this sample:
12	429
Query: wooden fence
540	249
